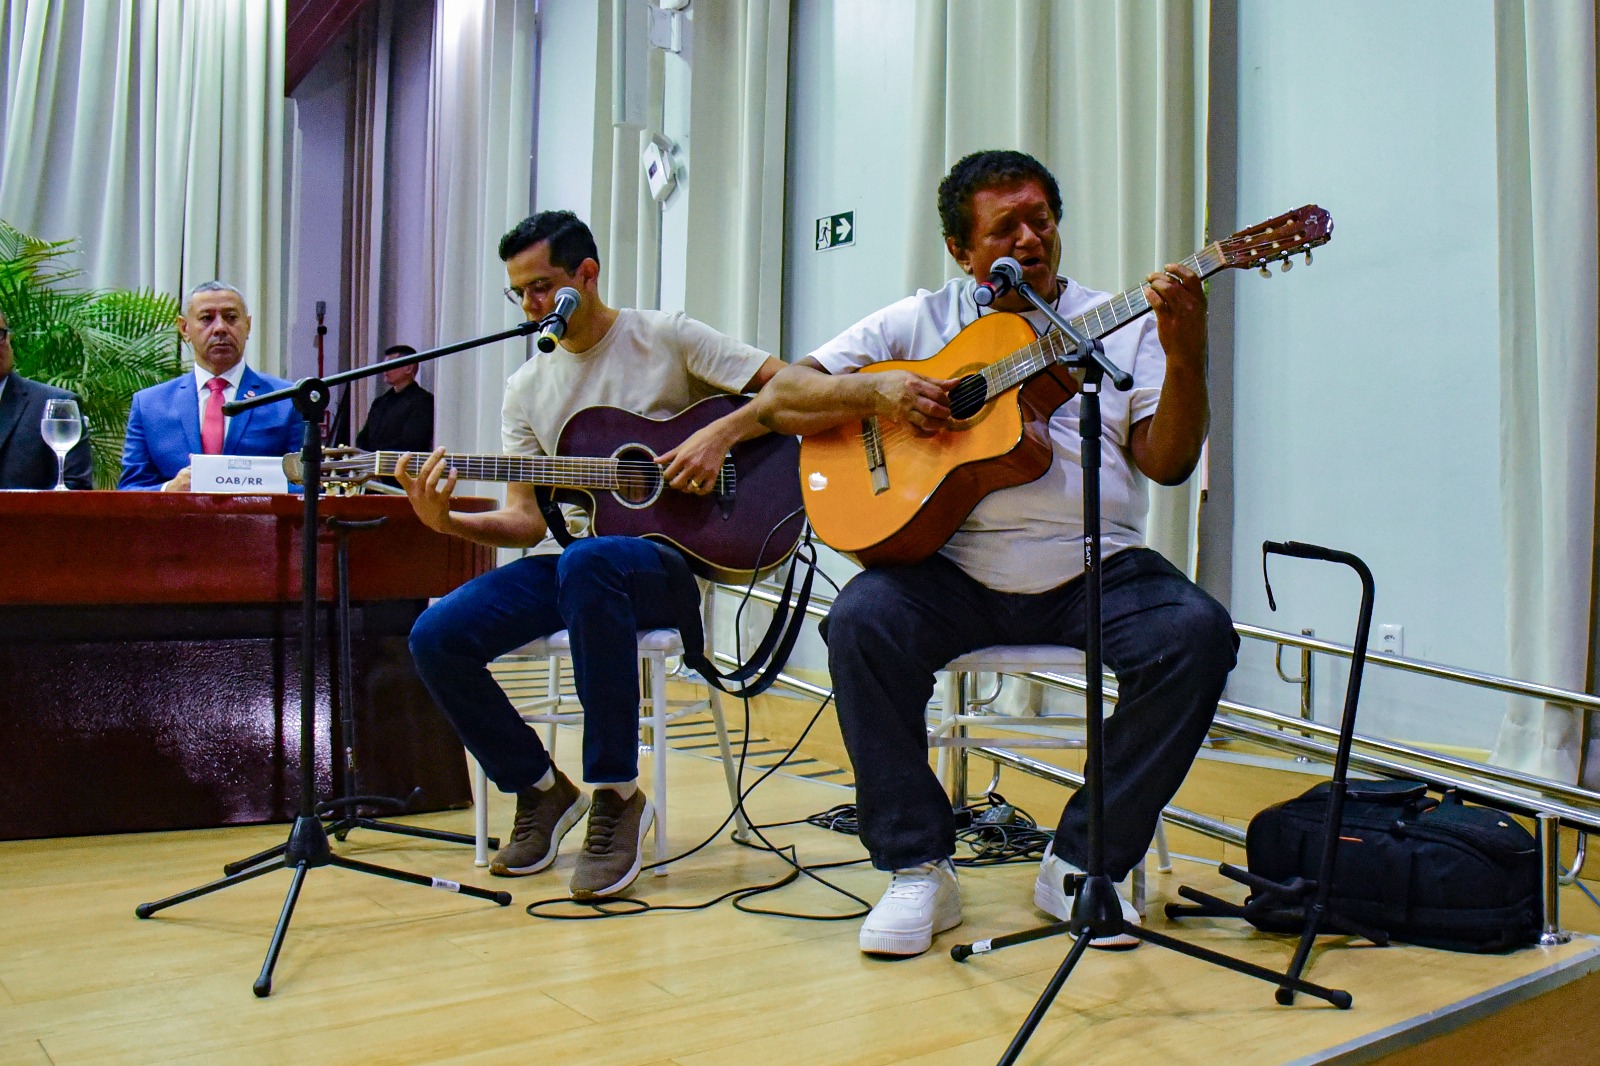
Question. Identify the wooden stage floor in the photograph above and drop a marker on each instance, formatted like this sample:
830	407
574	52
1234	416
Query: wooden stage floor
377	971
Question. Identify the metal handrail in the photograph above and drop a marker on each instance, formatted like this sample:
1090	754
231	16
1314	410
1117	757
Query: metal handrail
1427	669
1559	791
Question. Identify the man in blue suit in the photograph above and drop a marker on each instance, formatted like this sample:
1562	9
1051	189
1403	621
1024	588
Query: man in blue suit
183	417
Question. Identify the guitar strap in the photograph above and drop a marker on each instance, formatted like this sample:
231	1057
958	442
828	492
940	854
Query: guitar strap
772	654
553	518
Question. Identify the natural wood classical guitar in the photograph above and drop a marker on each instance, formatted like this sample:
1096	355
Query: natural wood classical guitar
749	524
877	491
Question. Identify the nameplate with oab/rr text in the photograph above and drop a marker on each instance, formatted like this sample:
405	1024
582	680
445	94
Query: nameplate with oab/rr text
247	474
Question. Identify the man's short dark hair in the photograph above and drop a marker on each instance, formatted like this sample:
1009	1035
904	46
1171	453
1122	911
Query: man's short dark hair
988	170
399	349
569	239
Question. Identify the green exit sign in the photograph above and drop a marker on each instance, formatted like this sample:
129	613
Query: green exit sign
834	231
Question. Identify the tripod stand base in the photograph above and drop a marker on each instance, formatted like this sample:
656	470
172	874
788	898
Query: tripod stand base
339	828
1097	914
306	849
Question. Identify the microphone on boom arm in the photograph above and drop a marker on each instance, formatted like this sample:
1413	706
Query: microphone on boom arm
1005	274
554	325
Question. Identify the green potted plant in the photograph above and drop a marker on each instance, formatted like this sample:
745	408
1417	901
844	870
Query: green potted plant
102	344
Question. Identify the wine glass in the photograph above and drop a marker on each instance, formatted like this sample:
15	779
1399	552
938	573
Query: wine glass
61	430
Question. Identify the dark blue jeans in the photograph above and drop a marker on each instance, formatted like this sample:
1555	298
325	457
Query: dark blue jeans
1170	644
603	590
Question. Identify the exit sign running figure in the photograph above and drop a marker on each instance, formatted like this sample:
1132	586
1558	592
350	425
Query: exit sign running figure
834	231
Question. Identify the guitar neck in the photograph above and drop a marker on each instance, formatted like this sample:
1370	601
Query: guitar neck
557	471
1097	322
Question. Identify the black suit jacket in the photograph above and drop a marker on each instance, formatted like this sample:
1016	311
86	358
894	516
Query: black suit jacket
26	462
399	422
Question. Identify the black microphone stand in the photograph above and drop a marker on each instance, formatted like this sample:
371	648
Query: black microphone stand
307	847
1096	911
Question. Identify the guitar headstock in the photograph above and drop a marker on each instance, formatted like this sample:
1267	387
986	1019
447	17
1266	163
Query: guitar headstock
341	466
1278	238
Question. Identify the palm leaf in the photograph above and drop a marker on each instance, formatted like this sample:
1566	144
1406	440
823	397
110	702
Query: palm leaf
103	345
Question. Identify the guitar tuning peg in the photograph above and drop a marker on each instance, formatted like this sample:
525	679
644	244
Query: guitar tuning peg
1308	257
1288	265
1265	272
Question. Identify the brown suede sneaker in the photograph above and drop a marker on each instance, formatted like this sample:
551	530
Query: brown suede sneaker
542	819
609	860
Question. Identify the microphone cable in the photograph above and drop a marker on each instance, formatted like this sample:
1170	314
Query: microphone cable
625	906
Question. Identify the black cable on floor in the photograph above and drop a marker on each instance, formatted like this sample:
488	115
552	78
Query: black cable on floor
998	834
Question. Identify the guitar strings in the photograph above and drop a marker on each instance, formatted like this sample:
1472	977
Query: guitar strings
568	471
1036	356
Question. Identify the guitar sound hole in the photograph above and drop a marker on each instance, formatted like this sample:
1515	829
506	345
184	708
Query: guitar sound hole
968	396
638	477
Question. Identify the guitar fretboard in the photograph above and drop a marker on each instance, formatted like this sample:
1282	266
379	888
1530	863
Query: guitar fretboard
1099	320
563	471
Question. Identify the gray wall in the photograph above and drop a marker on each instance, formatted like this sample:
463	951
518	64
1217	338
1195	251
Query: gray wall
1365	405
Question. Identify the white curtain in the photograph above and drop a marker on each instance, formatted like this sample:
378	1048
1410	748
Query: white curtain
1110	95
738	110
738	115
1549	348
479	162
366	275
153	130
625	220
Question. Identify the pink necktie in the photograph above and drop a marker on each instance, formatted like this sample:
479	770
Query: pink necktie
211	425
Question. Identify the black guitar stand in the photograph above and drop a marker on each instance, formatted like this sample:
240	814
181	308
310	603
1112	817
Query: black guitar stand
1096	911
1299	895
351	799
307	846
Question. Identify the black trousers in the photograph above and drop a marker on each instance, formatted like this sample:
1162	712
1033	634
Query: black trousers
1169	643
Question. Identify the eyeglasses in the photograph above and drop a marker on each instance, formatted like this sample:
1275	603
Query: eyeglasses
5	334
514	294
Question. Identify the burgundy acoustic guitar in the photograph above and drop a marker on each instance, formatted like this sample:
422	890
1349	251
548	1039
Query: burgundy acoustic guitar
748	525
883	494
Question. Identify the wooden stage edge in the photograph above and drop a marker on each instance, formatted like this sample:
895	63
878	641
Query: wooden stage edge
1481	1017
378	970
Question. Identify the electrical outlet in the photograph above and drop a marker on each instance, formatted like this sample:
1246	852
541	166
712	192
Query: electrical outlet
1391	640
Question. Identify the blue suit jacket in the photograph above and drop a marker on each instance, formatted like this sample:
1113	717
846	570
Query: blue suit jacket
164	428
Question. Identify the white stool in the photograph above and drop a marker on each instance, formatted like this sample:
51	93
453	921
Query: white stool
962	707
553	709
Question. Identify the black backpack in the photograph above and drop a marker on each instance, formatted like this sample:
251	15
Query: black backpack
1436	873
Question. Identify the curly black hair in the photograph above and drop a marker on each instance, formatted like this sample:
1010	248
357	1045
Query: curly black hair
570	240
986	170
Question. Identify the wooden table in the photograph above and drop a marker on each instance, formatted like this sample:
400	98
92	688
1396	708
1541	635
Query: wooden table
149	665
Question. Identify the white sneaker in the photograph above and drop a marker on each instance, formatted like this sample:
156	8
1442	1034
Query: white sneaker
921	901
1051	896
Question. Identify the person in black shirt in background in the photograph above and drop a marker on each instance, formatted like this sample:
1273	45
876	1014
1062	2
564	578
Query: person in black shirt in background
401	419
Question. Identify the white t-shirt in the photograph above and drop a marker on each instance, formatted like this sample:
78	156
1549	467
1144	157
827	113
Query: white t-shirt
1029	538
653	363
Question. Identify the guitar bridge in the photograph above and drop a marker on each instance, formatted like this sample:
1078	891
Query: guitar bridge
872	439
727	483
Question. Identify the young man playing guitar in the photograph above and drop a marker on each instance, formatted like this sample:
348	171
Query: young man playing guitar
602	589
1012	572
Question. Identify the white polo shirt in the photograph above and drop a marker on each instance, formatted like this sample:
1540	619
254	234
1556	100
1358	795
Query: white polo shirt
1029	538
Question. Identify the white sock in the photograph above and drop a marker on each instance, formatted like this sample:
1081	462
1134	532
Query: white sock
547	782
625	789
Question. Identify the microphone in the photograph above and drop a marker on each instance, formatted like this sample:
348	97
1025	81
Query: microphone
554	325
1005	274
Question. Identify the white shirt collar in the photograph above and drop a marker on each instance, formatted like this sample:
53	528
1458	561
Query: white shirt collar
202	375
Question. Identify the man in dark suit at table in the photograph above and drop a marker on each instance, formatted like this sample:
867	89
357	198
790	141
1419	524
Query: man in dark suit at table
26	461
183	417
401	419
